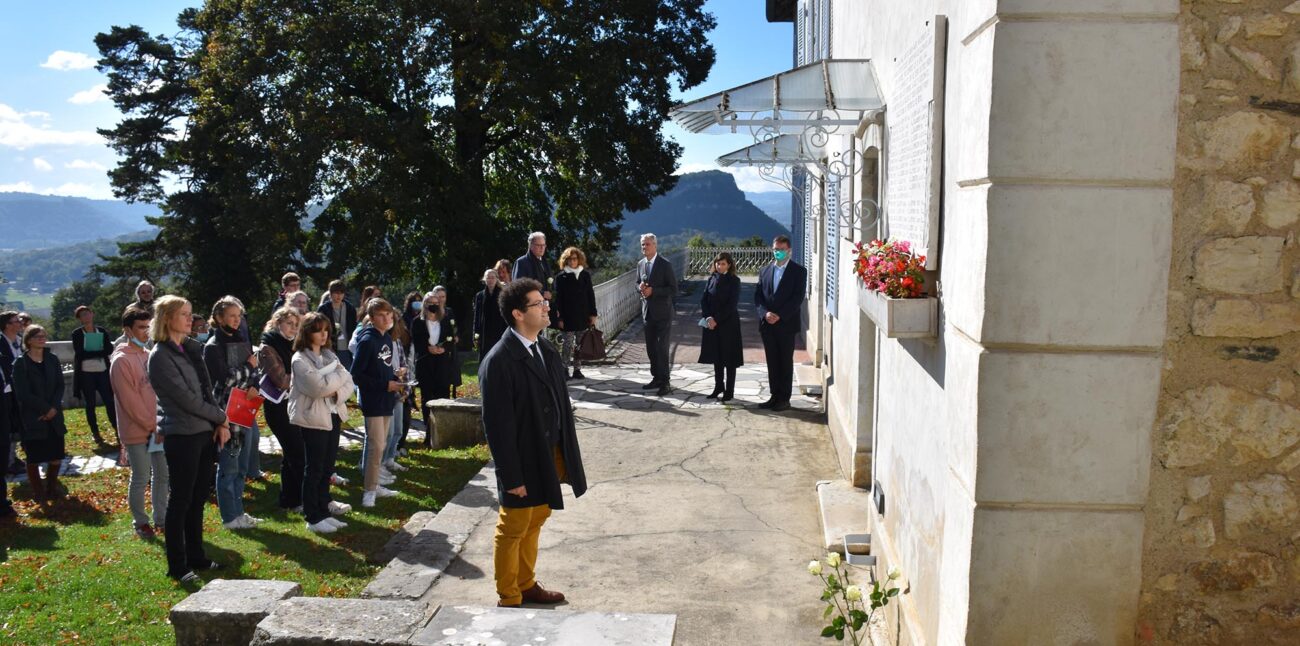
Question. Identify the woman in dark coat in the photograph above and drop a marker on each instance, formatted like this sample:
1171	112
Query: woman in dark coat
489	325
433	337
574	309
721	345
38	388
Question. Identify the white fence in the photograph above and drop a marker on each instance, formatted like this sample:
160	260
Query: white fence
617	299
749	260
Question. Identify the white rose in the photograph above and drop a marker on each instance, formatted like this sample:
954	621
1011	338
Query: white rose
853	593
894	573
815	567
833	559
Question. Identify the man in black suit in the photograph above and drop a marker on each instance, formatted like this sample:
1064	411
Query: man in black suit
657	284
528	420
779	298
533	264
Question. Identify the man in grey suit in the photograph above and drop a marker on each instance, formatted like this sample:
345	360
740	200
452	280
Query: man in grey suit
657	284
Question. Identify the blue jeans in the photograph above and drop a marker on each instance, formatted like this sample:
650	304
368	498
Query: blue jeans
231	470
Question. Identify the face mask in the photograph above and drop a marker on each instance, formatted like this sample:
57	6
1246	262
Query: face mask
138	343
780	255
203	337
416	306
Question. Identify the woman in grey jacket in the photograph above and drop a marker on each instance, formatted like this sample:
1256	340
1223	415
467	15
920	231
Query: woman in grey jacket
193	428
318	395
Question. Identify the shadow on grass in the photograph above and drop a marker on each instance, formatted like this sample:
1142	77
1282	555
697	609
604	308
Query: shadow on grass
21	536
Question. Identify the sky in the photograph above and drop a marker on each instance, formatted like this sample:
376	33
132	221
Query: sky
51	98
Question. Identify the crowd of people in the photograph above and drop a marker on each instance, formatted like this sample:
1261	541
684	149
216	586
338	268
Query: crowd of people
182	390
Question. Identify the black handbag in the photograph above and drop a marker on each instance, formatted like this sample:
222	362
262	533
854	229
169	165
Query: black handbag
591	347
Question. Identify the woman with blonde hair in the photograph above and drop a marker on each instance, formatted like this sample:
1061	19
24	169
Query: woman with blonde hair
489	324
232	365
574	307
194	427
275	359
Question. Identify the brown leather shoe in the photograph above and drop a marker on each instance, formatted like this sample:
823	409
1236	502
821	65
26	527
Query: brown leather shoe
538	594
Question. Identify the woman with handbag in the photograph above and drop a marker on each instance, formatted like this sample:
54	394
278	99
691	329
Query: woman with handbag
575	305
721	345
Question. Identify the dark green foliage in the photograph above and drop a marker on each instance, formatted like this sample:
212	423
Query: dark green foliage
439	131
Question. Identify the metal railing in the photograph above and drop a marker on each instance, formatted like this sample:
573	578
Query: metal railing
618	302
749	260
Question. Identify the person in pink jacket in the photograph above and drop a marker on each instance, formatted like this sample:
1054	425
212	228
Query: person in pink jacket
137	421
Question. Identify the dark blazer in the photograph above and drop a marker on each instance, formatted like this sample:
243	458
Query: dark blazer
489	325
722	345
786	300
663	284
39	387
226	357
524	410
79	354
528	266
436	370
575	300
349	319
8	357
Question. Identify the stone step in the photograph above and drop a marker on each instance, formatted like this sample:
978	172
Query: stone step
845	509
808	378
476	625
315	621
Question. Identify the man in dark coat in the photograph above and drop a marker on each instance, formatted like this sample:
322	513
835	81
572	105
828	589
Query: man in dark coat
779	297
528	421
343	320
533	264
657	284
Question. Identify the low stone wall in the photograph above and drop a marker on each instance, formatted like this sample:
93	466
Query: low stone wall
455	422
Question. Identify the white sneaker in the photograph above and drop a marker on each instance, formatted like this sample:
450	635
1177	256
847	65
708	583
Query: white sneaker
338	480
323	527
368	499
402	452
240	522
339	508
253	521
338	524
392	465
384	493
386	478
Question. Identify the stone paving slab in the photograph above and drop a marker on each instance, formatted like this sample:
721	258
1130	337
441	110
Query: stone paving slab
482	626
305	621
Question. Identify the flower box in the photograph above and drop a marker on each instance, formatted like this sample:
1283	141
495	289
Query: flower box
901	318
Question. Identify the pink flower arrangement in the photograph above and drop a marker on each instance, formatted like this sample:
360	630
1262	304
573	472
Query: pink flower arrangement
890	268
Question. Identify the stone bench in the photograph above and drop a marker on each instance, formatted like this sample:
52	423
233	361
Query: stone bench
228	611
454	422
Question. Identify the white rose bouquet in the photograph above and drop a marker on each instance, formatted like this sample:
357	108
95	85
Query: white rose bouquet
846	601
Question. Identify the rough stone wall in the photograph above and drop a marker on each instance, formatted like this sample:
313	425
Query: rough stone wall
1221	561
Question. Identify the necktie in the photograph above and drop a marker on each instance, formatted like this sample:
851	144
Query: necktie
538	356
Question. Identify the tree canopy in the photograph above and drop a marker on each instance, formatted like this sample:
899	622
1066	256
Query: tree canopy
437	133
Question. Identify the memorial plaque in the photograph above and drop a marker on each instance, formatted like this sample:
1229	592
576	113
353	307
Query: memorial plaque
914	149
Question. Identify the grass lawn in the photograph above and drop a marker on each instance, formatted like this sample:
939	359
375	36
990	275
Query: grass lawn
75	572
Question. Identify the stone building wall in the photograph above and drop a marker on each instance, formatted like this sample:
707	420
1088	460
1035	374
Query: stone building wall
1221	558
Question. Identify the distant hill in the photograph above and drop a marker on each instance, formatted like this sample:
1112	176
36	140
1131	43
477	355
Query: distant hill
31	221
54	267
775	204
708	203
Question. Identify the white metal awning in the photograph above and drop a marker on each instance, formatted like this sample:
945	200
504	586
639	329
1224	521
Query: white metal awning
827	93
783	149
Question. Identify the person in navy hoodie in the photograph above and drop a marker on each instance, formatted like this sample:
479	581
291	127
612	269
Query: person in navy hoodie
377	388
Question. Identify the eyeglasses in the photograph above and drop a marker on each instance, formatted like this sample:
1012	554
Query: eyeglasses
538	303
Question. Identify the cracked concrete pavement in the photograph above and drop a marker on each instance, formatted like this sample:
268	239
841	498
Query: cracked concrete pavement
699	509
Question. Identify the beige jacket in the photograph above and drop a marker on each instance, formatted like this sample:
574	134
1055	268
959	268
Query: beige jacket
137	405
320	388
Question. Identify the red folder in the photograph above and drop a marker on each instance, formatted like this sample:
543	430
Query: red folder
241	409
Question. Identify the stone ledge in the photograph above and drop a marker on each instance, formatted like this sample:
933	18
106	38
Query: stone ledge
342	622
479	626
228	611
456	422
419	555
845	509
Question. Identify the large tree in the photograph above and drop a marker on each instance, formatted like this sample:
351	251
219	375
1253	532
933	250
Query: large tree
438	132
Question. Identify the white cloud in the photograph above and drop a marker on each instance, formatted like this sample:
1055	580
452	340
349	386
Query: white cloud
81	164
42	165
64	61
93	95
16	132
747	177
20	187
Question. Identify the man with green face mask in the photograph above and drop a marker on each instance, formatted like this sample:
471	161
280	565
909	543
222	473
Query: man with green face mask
779	298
